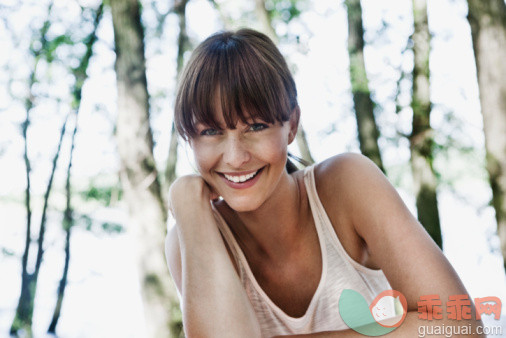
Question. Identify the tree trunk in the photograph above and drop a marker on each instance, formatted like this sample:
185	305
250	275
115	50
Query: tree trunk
488	29
24	311
368	133
305	153
265	19
421	138
170	170
68	222
138	171
80	77
225	19
183	45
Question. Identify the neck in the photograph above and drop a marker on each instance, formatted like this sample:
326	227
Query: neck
273	230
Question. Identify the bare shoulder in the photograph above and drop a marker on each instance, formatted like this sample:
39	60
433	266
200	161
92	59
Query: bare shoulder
341	168
346	180
173	256
354	186
342	182
338	186
357	192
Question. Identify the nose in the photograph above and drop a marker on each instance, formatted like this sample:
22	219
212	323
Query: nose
236	153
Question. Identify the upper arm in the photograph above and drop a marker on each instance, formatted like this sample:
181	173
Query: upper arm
411	261
173	256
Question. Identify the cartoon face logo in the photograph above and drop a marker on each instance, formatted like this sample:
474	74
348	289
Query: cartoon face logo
385	314
389	308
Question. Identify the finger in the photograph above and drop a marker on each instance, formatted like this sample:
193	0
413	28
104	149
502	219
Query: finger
213	195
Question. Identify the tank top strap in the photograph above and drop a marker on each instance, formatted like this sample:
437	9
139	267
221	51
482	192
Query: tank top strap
326	225
320	215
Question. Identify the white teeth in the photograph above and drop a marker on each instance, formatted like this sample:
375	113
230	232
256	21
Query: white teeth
240	179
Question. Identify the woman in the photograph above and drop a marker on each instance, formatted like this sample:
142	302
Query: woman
262	249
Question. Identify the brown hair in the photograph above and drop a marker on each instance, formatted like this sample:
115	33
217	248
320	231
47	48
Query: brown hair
249	74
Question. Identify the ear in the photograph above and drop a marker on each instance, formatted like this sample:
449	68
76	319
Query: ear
294	124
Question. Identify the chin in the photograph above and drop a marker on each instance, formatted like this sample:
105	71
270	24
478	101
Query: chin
242	204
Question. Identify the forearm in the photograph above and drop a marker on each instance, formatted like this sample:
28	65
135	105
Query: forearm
411	327
214	301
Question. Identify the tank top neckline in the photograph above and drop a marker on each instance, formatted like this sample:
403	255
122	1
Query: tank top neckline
242	261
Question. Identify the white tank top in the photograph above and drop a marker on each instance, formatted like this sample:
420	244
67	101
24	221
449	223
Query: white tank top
339	272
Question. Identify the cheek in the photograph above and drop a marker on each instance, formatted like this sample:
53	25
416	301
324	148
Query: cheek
204	157
272	150
275	150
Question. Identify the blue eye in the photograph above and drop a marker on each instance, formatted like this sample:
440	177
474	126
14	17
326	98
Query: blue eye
209	132
258	126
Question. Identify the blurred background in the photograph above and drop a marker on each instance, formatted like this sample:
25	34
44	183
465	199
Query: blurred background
88	149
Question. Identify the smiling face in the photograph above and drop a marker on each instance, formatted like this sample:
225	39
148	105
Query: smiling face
243	165
237	106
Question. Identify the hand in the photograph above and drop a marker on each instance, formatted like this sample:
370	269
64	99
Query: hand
188	193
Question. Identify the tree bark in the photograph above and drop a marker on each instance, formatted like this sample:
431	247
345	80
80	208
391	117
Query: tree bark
227	21
368	133
24	311
303	145
488	28
421	138
68	221
265	19
138	171
183	45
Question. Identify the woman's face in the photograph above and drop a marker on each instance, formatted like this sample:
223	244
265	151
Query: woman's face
243	165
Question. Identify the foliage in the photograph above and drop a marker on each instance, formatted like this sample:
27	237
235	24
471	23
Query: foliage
106	195
284	10
7	252
97	226
55	43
